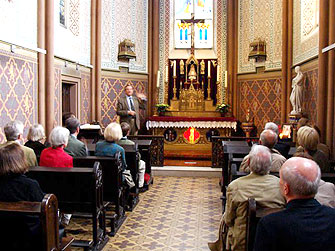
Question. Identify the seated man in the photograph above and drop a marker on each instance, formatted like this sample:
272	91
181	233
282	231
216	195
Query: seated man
304	224
269	139
74	147
14	133
283	148
260	185
125	127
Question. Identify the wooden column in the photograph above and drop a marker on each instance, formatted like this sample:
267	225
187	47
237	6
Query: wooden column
331	79
97	65
93	51
323	68
289	56
232	39
49	66
41	62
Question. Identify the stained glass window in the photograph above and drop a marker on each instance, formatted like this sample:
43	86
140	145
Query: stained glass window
62	12
193	17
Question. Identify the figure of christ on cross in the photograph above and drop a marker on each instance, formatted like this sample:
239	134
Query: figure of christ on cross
192	21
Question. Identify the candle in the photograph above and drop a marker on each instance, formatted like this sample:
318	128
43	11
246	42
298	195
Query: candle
225	79
167	74
209	68
174	68
158	78
218	73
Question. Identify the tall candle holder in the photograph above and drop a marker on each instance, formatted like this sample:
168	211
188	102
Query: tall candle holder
209	89
174	88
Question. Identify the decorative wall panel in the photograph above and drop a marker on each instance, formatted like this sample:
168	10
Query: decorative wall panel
85	98
310	94
124	20
111	90
263	98
73	41
18	22
305	30
260	19
58	96
18	90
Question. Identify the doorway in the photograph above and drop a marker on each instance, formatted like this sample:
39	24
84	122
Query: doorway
70	96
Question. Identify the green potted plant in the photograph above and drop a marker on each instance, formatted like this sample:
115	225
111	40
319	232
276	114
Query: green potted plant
162	108
222	108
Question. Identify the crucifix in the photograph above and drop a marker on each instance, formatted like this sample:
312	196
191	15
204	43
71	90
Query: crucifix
193	21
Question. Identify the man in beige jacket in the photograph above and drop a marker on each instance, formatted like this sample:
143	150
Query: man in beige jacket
269	139
261	186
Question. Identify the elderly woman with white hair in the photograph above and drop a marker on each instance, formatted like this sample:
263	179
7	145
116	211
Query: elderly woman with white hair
55	156
35	136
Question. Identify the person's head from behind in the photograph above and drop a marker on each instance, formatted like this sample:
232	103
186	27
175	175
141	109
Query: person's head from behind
73	125
268	138
113	132
125	127
67	115
36	133
299	178
14	130
272	126
59	137
129	90
260	160
303	122
308	138
12	160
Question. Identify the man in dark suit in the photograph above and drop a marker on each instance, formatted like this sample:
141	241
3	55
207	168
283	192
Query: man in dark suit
304	225
128	108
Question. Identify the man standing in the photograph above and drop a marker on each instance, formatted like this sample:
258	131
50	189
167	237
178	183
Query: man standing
128	108
305	224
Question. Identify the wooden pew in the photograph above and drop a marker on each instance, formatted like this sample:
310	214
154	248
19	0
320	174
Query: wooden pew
47	212
254	214
113	190
79	190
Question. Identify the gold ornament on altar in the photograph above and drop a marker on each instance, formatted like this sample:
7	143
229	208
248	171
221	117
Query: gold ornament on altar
182	67
202	67
192	74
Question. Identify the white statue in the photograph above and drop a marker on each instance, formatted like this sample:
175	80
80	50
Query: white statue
297	92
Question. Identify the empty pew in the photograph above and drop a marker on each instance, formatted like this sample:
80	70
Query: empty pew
113	189
46	210
78	190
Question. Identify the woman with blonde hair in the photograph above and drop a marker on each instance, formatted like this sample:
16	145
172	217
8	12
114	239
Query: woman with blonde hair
308	139
35	136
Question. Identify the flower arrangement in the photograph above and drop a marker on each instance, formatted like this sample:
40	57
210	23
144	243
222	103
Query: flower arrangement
161	108
222	108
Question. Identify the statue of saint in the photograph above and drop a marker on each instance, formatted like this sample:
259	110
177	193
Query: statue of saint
297	92
202	67
182	67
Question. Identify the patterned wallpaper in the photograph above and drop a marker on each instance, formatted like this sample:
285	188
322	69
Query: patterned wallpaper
260	19
310	93
166	45
73	41
305	30
18	90
18	22
263	98
124	20
112	90
58	96
85	98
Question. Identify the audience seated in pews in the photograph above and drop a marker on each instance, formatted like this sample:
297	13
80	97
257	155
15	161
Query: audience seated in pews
125	127
283	148
75	147
268	139
19	232
304	224
261	186
14	134
326	190
35	136
55	156
308	140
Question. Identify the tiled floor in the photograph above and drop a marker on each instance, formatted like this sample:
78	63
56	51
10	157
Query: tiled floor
177	213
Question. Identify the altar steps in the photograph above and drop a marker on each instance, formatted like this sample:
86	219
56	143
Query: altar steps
186	171
187	158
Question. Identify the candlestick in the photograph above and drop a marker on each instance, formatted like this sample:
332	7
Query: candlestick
209	68
167	74
174	88
209	89
225	79
158	78
218	73
174	68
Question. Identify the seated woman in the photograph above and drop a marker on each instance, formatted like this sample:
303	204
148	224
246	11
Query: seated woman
19	232
55	156
108	147
35	136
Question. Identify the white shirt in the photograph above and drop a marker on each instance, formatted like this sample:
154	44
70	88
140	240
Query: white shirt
128	102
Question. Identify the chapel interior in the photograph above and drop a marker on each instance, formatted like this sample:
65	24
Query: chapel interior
207	72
